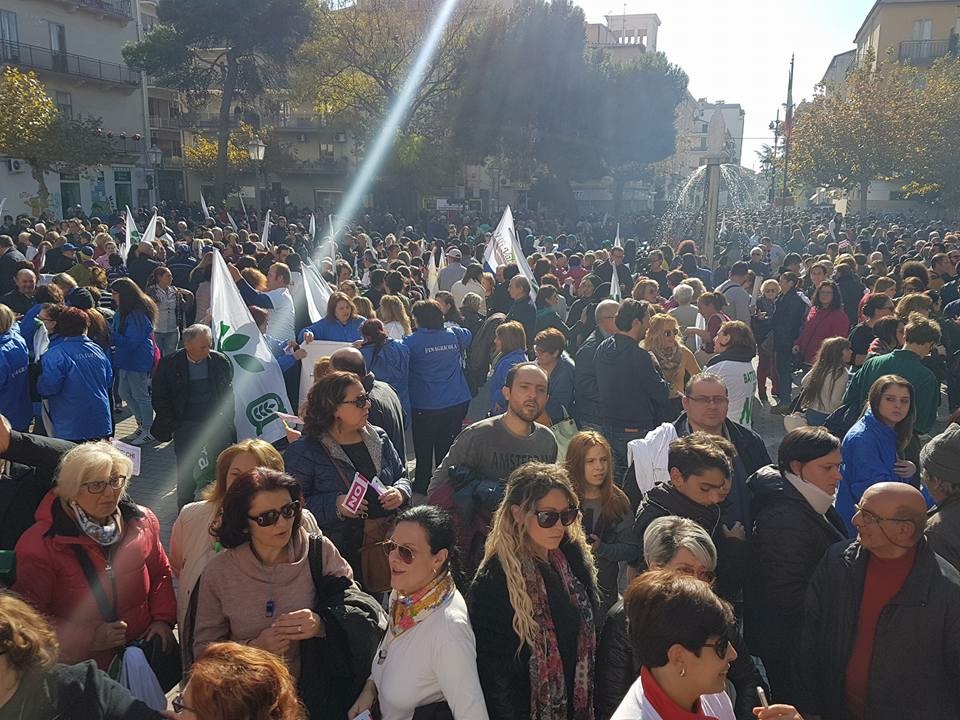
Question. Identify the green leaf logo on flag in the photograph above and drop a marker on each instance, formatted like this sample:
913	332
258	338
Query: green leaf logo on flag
262	411
231	344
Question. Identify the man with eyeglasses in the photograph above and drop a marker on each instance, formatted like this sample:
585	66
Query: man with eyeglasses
881	631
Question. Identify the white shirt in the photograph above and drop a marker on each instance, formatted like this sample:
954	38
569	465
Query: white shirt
741	381
281	324
433	661
394	330
636	707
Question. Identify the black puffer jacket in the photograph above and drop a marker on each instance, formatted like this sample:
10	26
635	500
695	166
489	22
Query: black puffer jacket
617	668
789	540
788	319
505	674
915	665
586	393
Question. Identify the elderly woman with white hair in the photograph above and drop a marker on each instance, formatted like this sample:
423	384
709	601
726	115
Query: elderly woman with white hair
685	312
93	563
678	544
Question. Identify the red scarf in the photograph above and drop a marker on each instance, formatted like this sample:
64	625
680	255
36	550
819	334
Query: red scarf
666	708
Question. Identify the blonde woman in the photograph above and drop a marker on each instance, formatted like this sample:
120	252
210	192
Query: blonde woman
191	544
676	360
364	307
395	318
533	603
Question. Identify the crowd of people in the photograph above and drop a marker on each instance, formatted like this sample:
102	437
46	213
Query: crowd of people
607	536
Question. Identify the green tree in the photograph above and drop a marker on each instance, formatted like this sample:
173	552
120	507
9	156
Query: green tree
229	48
853	134
32	129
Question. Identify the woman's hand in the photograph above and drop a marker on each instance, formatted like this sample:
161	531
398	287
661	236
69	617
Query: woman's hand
160	629
391	499
368	696
271	640
300	625
307	337
358	343
109	635
777	712
904	469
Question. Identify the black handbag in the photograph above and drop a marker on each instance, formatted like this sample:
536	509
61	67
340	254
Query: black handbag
433	711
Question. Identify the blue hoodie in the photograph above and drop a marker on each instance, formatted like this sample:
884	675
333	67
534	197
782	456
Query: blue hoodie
133	344
869	452
333	330
499	379
391	364
15	402
76	379
29	324
436	373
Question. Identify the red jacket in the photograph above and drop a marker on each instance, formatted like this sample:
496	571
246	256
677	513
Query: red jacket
821	325
50	578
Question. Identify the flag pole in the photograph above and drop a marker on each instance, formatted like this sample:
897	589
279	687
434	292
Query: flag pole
787	133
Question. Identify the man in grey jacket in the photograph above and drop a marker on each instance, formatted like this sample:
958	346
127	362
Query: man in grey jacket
738	299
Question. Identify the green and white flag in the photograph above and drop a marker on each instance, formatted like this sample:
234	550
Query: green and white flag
317	292
132	235
258	389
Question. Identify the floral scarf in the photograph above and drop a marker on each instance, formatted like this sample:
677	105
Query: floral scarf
406	612
670	360
104	535
548	696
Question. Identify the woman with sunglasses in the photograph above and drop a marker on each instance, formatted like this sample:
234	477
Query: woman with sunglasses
533	603
192	546
677	362
260	591
428	660
93	562
337	443
680	545
678	630
34	686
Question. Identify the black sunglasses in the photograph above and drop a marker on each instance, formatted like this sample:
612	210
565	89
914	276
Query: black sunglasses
406	554
270	517
360	401
548	518
721	646
179	707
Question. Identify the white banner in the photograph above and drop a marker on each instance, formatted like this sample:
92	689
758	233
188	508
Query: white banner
258	388
132	236
265	235
317	291
232	222
499	250
206	210
150	234
315	350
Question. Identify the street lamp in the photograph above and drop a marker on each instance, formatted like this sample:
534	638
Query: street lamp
155	157
257	149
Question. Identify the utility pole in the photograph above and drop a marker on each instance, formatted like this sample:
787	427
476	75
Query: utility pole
787	132
775	126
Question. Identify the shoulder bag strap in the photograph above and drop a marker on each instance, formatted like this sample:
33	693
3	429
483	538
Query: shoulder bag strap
107	609
315	557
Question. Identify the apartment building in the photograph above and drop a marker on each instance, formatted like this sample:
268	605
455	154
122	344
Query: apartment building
914	31
74	46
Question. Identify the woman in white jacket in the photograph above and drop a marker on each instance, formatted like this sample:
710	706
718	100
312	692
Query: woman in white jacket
825	384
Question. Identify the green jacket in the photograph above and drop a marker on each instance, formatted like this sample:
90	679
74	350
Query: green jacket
908	365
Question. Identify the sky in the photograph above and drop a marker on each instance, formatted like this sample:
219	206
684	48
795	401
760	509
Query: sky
739	50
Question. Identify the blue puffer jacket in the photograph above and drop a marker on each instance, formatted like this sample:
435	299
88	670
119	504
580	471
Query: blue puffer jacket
324	471
391	364
333	330
15	402
436	373
499	379
76	378
28	326
869	452
132	343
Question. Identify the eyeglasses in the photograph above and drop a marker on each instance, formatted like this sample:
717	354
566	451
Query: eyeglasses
179	707
871	518
708	400
360	401
406	554
98	486
670	333
271	517
705	575
548	518
720	646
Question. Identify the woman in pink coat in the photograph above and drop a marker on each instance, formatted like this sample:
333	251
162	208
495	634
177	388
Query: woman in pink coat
825	320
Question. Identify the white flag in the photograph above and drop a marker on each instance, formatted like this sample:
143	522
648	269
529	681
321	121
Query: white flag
265	234
150	234
317	292
616	240
433	273
206	210
243	209
313	228
132	235
3	204
232	222
258	389
499	250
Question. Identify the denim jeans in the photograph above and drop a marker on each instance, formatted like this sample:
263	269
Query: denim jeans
134	390
618	438
167	342
433	433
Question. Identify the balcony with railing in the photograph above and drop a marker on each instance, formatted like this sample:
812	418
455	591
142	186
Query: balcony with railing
122	9
69	64
923	52
159	122
126	145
